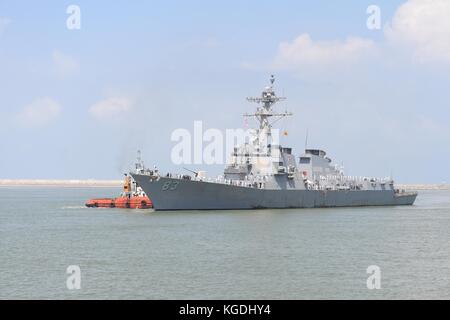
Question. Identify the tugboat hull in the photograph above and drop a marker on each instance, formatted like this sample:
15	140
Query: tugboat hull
121	202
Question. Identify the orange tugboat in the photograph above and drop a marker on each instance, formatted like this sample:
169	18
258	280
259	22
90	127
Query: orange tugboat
132	197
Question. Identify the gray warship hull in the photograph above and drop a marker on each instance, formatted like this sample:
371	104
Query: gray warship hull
182	194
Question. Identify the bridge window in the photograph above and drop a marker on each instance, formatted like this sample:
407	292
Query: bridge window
305	160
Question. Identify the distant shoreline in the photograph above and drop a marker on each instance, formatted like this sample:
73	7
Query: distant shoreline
118	183
60	183
437	186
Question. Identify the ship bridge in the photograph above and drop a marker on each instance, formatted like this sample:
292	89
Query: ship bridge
316	152
315	162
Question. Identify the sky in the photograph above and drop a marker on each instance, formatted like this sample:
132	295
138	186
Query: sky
78	103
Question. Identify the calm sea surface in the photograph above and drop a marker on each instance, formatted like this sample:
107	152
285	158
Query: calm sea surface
261	254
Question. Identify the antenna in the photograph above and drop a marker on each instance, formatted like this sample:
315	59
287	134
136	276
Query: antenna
306	139
138	156
139	165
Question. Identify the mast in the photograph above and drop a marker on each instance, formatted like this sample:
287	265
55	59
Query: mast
265	111
139	165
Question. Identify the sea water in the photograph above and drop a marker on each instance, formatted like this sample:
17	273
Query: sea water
46	233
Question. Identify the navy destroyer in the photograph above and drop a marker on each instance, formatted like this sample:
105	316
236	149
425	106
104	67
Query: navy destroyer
263	174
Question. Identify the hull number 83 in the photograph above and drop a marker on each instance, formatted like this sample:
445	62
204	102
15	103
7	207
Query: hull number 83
170	185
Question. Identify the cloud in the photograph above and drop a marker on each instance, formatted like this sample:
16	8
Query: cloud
304	52
419	28
40	112
4	22
111	108
422	26
64	65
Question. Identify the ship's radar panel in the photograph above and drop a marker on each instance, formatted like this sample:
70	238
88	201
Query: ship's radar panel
268	99
268	96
